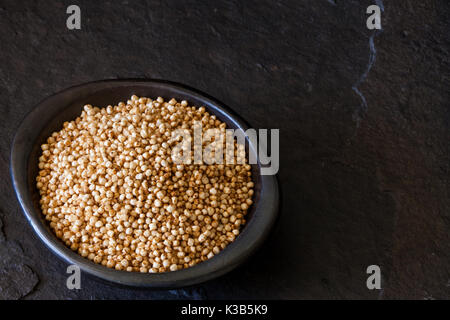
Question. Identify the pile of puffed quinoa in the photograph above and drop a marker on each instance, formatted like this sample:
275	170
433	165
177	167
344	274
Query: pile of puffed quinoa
112	192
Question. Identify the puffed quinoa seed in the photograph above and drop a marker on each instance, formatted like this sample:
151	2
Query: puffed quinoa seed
111	191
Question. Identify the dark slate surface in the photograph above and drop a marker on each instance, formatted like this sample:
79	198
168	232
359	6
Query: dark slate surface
364	121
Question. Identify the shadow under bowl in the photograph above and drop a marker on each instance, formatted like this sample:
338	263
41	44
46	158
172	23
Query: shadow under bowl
48	117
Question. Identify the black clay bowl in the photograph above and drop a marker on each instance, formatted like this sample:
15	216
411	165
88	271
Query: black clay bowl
49	115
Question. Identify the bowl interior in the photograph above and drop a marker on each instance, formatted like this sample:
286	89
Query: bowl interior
112	96
49	116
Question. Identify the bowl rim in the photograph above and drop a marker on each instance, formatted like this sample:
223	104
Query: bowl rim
253	235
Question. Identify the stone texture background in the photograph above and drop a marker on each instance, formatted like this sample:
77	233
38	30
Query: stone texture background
364	119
